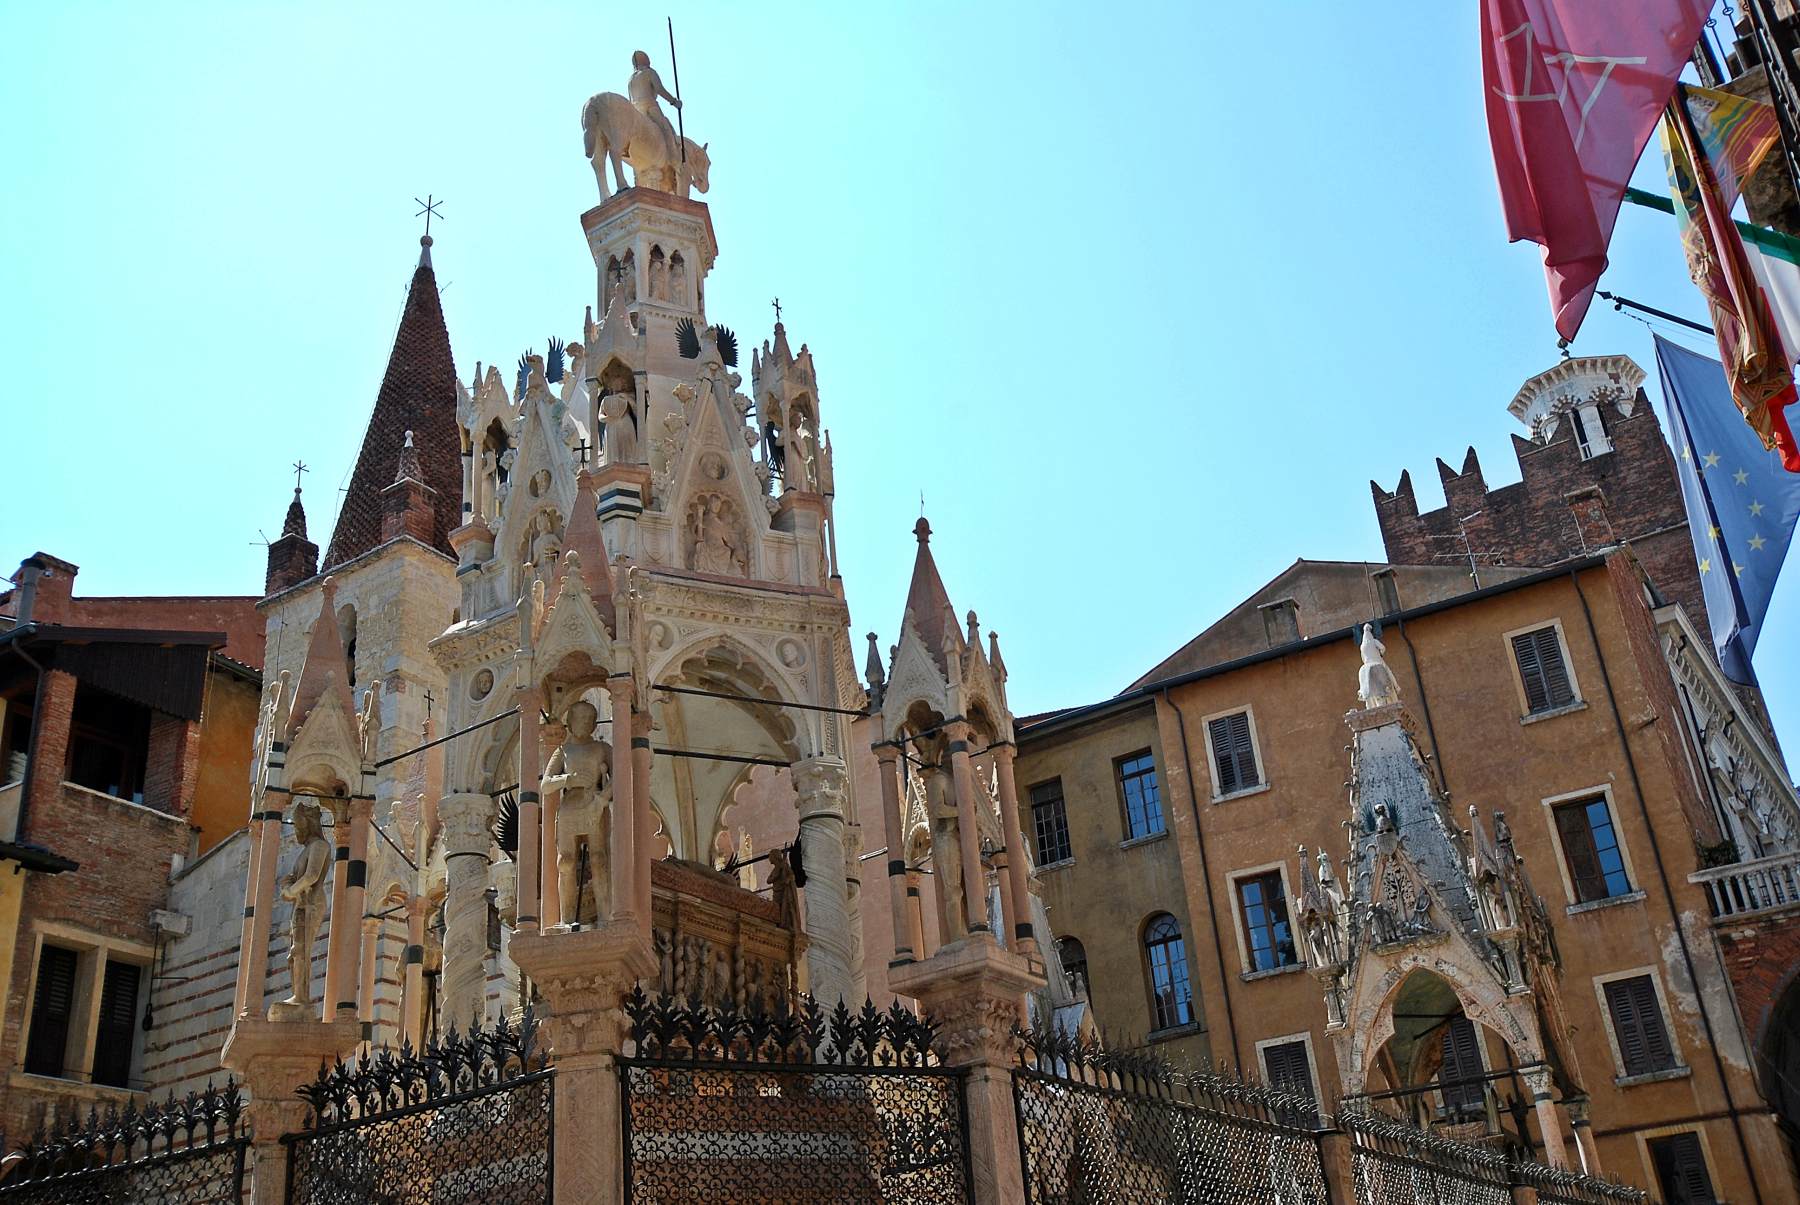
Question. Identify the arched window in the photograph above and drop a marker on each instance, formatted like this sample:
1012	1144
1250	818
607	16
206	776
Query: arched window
1171	1003
1074	963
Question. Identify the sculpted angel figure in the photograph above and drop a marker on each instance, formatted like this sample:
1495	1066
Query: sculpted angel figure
304	888
582	770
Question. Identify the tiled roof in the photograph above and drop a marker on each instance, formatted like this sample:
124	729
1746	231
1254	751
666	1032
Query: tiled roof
418	394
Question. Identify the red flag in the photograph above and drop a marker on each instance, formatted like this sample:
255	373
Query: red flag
1574	88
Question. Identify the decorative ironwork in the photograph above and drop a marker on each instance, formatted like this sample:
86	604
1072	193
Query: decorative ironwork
186	1151
467	1119
801	1104
1097	1124
1571	1188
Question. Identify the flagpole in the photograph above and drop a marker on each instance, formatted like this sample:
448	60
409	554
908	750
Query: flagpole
675	69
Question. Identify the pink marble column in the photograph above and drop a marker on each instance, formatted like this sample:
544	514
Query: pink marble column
962	778
531	772
259	905
343	932
1022	932
623	811
905	950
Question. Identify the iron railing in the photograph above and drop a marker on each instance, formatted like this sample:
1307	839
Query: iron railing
797	1105
1125	1126
1393	1163
187	1151
467	1119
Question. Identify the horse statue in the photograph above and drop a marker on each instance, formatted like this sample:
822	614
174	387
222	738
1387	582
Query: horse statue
613	128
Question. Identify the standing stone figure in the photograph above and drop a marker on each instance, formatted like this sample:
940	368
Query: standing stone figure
582	770
1376	684
620	429
304	888
946	854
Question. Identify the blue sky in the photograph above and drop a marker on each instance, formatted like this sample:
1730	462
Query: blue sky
1140	308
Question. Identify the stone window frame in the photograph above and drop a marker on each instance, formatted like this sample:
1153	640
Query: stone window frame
1247	969
1304	1037
1648	1135
1156	780
1574	906
1526	715
1212	760
1623	1078
92	952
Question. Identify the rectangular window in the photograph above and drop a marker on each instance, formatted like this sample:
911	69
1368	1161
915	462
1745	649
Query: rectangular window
52	1009
1459	1079
1267	939
1681	1170
1590	847
1050	823
118	1024
1143	801
1542	670
1288	1069
1637	1023
1234	753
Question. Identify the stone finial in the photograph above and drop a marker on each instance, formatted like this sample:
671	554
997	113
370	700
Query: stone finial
974	632
994	658
922	529
407	467
872	671
295	524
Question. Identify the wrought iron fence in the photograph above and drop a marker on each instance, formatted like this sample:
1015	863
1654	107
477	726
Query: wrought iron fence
1569	1188
795	1106
467	1119
1394	1164
187	1151
1124	1126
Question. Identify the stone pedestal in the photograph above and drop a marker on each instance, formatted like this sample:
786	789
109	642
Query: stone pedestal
272	1060
584	977
974	992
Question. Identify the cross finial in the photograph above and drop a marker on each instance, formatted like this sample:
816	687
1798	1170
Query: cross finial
299	468
429	700
428	210
582	450
776	302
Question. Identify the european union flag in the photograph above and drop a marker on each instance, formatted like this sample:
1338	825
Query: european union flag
1741	503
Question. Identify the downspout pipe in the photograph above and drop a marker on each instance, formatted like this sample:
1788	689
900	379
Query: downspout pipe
1662	874
1212	910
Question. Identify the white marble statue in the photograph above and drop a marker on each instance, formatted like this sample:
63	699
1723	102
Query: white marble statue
620	444
1376	684
634	129
582	770
304	888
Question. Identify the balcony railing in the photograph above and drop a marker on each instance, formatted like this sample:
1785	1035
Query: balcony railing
1747	888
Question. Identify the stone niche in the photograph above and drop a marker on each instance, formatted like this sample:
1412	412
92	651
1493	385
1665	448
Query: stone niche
720	943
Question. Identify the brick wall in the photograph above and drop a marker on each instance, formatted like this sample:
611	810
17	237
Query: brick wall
1560	506
1760	955
172	765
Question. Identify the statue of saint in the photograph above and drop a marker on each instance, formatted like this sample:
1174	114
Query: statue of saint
714	550
1376	684
620	441
946	854
783	890
582	770
304	888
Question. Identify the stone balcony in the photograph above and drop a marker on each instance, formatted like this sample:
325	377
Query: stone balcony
1757	888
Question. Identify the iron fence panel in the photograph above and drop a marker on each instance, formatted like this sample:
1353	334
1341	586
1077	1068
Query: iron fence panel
1568	1188
797	1106
467	1121
1394	1164
186	1151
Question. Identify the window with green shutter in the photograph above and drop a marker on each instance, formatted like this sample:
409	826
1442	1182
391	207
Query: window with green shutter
1542	670
1234	753
1637	1022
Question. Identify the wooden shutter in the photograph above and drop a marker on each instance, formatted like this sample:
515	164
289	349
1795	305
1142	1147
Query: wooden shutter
1578	851
51	1006
1542	670
1681	1169
1462	1062
1233	752
1638	1025
1288	1069
118	1021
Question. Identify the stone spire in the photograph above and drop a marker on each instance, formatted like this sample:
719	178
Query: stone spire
928	607
292	557
407	504
418	394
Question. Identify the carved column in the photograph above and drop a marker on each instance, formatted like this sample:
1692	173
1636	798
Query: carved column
531	772
623	810
365	988
915	915
962	778
1543	1100
584	977
1585	1146
821	783
356	891
974	993
259	904
1015	848
853	847
412	997
343	932
643	816
467	819
905	947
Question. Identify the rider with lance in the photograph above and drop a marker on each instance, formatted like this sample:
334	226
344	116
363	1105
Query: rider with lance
644	90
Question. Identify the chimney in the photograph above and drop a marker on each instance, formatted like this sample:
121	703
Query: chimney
46	586
1281	620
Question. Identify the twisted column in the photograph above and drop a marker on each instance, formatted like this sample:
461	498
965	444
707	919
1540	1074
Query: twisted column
467	819
822	786
906	947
